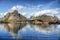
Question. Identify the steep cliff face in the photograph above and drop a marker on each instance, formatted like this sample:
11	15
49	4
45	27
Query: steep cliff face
14	17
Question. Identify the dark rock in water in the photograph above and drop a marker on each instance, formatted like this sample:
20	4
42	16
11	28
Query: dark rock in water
14	17
54	23
58	22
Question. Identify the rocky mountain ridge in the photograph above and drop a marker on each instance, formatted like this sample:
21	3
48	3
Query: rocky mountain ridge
13	17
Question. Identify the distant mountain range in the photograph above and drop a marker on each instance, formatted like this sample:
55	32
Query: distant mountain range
45	18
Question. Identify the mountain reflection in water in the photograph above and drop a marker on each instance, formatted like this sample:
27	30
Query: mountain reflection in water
23	30
44	28
13	28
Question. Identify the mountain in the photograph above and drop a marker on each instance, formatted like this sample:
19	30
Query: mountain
45	18
14	17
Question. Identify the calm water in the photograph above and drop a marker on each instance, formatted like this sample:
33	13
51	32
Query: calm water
29	31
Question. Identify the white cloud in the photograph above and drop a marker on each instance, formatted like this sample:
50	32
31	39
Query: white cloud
5	13
1	15
24	13
36	7
49	11
17	7
34	10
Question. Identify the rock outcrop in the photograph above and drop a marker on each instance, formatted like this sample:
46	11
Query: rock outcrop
14	17
46	18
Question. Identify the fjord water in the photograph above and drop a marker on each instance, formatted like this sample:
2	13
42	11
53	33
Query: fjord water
25	31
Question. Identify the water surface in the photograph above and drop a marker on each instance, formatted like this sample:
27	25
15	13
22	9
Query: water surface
25	31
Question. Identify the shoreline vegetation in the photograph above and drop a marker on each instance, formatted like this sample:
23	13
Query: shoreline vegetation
15	17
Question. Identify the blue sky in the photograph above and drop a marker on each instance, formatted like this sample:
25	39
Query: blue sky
30	7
